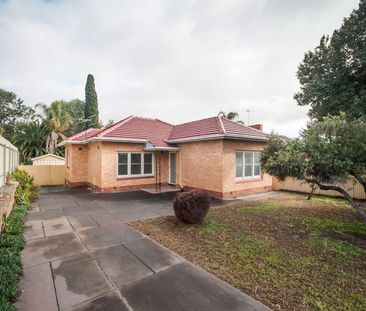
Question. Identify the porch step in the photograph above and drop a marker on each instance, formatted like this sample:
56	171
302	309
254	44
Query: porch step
164	189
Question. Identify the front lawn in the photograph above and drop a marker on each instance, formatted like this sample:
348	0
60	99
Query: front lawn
285	251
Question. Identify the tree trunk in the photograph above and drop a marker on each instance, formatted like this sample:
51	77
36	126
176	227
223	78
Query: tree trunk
48	144
344	193
51	142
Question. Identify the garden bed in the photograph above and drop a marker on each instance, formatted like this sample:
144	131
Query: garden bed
288	252
12	238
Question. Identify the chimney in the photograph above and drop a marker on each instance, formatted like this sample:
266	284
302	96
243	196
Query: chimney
257	127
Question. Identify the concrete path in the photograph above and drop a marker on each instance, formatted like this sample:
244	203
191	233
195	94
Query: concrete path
81	255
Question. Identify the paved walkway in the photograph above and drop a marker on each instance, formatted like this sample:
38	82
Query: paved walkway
81	255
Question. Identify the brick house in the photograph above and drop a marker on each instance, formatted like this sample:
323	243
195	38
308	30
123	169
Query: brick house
214	154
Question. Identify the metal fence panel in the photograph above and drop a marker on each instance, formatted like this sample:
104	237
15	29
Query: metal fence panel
9	159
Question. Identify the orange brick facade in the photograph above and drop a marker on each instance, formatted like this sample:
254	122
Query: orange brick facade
207	165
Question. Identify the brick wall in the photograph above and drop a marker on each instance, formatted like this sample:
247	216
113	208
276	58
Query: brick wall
202	165
109	167
94	167
77	170
232	186
208	165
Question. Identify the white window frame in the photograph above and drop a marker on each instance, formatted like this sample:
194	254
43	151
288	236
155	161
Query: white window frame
129	175
243	166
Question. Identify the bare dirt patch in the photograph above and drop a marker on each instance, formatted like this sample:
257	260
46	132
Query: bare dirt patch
286	251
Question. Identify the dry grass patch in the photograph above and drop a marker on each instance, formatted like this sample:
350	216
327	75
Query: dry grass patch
286	251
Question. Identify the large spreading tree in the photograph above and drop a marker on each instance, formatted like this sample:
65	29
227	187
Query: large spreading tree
332	150
333	76
326	155
12	111
91	104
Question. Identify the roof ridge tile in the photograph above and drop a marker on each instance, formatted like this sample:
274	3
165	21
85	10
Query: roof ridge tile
222	125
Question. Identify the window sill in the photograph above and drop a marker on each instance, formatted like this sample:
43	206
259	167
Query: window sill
134	177
240	181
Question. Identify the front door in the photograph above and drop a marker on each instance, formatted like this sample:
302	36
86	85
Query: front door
172	168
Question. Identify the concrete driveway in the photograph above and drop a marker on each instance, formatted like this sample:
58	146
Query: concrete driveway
81	255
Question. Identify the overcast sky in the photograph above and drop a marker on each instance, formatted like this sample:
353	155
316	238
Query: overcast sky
174	60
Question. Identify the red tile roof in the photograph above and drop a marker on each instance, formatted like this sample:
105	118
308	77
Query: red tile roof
204	127
153	130
85	134
211	127
162	134
235	128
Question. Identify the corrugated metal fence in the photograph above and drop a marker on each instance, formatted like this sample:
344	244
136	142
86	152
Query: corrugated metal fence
355	189
9	159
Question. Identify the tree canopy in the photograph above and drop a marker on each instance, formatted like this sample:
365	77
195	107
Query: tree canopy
12	111
91	104
232	115
76	109
333	76
57	119
328	152
30	139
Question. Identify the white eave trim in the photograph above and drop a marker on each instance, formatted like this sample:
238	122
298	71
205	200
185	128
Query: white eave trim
217	136
109	139
71	142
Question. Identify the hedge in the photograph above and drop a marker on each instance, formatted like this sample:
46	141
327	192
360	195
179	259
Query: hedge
12	240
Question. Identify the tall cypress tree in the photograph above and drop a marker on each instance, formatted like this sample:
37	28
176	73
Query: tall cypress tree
91	104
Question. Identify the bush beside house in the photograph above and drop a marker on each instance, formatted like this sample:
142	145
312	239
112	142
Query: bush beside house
12	240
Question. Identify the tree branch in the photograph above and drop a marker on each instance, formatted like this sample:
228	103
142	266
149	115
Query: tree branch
344	193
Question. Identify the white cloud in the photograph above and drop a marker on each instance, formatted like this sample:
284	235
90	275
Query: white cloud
176	60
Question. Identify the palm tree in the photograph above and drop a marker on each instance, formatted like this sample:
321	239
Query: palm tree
232	115
30	139
57	119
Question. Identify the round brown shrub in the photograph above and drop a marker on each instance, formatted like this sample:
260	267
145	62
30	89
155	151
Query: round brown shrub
191	206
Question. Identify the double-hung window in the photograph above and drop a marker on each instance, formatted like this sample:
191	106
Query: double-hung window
134	164
248	164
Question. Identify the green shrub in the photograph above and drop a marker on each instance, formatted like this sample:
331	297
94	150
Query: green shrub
27	190
12	242
15	222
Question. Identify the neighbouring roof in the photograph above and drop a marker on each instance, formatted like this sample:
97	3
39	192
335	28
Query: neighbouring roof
49	155
161	134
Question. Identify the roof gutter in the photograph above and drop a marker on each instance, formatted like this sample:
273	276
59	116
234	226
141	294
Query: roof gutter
120	140
162	149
